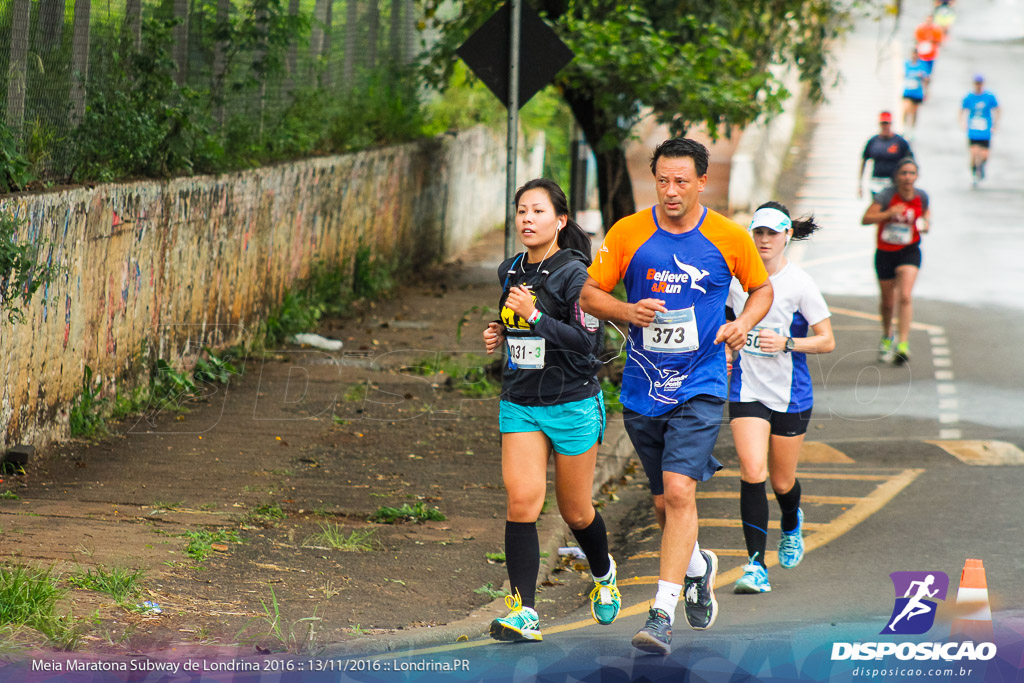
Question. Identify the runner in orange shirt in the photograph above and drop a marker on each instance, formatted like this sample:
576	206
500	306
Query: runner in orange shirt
928	37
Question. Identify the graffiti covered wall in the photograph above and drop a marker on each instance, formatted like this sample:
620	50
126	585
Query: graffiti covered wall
159	269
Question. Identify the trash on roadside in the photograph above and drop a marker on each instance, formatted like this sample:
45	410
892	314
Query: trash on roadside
150	607
573	552
317	341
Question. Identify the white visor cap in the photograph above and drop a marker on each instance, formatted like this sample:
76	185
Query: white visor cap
773	219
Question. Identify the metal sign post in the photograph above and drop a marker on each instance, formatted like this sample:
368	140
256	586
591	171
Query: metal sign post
512	133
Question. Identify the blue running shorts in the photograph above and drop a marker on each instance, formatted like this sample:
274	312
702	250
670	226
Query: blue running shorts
572	427
679	441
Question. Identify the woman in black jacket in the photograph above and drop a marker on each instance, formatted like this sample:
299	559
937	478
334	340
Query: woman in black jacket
550	401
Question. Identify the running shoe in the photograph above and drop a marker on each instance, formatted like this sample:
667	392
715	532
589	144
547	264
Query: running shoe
522	623
791	545
902	353
701	608
754	579
885	352
656	635
605	599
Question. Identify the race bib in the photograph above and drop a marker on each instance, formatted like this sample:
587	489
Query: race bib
897	233
753	345
526	352
672	332
910	83
978	123
925	47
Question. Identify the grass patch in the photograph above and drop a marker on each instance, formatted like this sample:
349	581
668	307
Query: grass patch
356	393
265	515
489	590
119	583
333	536
9	495
495	557
200	542
465	372
417	513
29	597
297	638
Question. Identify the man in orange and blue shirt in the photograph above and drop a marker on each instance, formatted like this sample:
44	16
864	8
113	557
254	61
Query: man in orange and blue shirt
677	260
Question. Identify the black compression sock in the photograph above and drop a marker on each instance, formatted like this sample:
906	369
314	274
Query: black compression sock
789	503
754	512
593	540
522	559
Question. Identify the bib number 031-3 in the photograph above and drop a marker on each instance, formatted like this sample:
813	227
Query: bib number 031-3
526	352
672	332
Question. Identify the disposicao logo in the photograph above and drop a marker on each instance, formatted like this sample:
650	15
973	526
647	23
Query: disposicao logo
913	613
916	596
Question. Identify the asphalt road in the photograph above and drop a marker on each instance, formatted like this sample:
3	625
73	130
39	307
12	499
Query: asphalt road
913	468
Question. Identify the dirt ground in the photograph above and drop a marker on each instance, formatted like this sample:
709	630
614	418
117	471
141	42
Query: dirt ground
302	441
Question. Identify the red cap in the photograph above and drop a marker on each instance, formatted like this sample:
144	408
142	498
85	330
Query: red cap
885	117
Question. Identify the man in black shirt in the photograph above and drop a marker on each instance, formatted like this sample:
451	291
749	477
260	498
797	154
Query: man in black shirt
885	150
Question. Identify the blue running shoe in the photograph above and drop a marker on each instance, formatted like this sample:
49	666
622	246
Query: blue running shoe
656	635
522	623
754	579
605	599
791	545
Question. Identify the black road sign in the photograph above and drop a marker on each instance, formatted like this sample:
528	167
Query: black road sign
542	54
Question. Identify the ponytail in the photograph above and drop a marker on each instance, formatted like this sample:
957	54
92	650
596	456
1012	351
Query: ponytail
802	227
572	236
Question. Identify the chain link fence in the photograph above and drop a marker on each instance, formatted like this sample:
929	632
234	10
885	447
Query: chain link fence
242	63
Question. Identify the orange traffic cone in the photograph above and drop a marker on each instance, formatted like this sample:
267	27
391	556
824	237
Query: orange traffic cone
973	615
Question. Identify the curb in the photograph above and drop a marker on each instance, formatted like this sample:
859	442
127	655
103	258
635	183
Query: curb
612	457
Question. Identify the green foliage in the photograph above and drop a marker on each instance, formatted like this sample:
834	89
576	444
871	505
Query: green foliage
612	404
467	371
490	591
134	403
138	121
495	557
297	638
418	513
333	536
687	62
15	169
214	369
9	495
169	388
86	416
199	542
119	583
20	274
265	515
29	597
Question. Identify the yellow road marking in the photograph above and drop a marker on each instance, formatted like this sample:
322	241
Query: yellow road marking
821	500
982	452
819	452
871	504
721	552
874	316
820	475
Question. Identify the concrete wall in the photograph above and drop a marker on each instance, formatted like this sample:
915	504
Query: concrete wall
159	269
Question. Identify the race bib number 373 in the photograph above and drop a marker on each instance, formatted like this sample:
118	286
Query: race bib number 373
672	332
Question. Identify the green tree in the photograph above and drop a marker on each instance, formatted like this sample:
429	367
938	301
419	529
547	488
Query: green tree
688	61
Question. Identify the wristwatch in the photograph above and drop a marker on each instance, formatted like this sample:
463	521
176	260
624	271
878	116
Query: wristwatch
790	345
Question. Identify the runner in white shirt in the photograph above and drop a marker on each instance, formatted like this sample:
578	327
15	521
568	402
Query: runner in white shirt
770	396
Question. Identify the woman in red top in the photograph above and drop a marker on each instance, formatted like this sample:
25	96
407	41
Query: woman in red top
902	215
